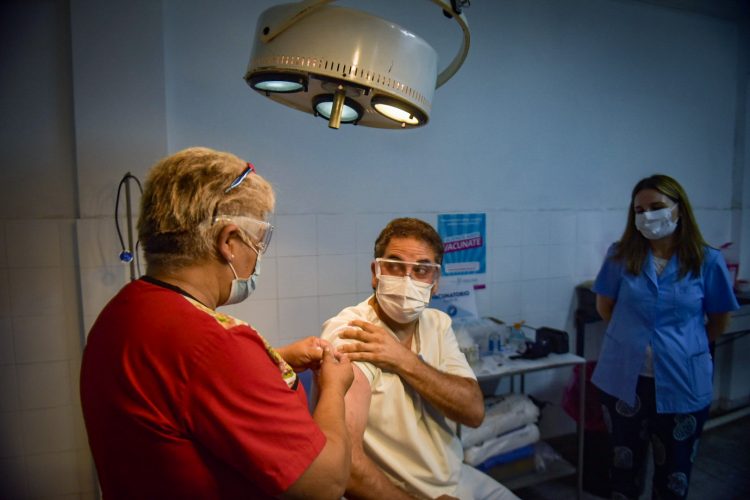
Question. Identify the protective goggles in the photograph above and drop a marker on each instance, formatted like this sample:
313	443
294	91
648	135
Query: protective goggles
425	272
258	231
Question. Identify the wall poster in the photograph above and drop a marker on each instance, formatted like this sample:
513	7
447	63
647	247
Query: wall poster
465	258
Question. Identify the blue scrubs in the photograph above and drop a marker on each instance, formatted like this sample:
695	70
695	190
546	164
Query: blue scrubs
668	312
668	410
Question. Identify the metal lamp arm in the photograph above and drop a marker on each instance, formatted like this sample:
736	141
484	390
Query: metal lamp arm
458	60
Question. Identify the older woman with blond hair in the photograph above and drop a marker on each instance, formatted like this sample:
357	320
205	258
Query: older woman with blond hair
666	294
182	401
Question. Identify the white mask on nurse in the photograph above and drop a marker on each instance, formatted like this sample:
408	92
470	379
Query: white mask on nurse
656	224
402	298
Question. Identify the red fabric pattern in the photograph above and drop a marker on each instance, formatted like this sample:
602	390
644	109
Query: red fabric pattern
181	403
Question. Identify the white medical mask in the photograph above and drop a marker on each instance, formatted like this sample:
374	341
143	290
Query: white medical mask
242	287
402	298
656	224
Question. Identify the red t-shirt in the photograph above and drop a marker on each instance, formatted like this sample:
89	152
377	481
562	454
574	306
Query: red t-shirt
183	402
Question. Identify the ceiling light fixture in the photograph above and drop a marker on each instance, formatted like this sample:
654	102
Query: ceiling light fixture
348	66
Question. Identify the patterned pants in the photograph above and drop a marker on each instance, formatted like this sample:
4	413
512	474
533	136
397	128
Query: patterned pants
674	439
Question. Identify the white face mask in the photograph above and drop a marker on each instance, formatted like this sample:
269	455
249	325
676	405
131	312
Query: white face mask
242	288
402	298
656	224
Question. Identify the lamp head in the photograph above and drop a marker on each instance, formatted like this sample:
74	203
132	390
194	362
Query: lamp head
345	66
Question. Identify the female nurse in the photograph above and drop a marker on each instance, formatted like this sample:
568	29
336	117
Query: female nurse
666	294
183	401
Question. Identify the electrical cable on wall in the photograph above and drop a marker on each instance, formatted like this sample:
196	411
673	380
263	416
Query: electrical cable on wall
129	253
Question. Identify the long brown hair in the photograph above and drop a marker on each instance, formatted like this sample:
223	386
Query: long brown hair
689	244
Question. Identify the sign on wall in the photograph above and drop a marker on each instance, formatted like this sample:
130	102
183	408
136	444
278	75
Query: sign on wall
464	240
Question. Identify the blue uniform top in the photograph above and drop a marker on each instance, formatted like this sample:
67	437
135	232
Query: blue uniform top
668	312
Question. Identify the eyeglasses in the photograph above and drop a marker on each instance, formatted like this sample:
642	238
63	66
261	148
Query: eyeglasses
238	180
258	231
426	272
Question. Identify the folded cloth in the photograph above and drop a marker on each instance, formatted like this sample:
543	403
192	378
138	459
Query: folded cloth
501	415
509	441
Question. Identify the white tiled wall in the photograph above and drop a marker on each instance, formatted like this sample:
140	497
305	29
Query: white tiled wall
297	276
101	273
715	226
336	234
337	274
37	339
319	264
6	333
295	236
41	438
298	318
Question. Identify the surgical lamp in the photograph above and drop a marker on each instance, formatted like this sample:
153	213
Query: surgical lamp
348	66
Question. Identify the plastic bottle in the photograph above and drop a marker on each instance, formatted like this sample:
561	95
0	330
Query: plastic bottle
493	343
517	340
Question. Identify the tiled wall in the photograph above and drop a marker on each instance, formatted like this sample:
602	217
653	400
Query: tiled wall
319	264
534	261
43	450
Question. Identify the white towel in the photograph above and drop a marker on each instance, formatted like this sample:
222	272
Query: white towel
502	414
509	441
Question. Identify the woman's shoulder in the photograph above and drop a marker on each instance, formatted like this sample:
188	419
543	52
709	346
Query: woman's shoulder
613	254
711	256
709	251
613	248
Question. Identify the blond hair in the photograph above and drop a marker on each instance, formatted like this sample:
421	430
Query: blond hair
182	194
